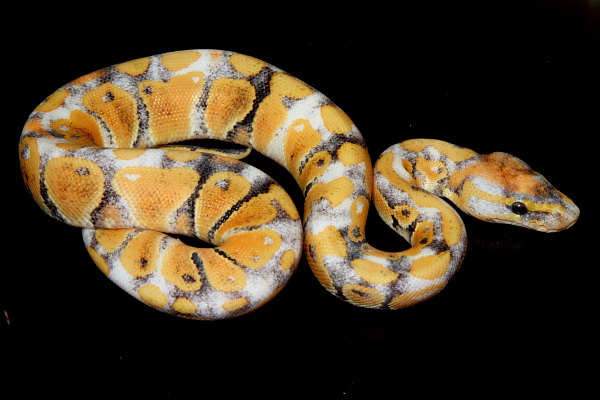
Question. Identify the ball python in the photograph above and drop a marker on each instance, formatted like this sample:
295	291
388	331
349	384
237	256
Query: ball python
99	154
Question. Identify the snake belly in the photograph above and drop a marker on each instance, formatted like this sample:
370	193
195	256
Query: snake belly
93	155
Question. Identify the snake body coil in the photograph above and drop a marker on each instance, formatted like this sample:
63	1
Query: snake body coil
94	155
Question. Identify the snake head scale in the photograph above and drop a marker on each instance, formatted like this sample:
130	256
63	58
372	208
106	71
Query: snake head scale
501	188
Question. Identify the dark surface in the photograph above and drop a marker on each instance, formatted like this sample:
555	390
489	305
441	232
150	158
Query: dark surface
517	320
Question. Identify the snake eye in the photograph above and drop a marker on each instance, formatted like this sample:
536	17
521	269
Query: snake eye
519	208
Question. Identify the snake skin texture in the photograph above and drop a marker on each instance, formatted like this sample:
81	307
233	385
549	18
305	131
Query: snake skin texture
96	154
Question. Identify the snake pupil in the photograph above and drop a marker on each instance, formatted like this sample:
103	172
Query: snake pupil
519	208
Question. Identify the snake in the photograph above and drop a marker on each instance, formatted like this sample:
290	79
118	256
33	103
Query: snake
114	152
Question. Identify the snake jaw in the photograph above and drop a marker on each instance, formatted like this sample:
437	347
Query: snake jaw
562	218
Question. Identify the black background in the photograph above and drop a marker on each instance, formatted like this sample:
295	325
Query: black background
518	318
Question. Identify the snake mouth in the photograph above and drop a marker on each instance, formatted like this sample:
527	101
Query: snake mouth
560	221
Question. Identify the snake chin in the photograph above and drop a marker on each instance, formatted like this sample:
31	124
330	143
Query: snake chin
555	222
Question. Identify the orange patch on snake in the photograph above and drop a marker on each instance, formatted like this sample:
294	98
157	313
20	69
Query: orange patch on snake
287	86
153	296
80	128
98	260
410	298
270	115
153	193
335	192
75	186
229	101
234	305
170	116
30	169
222	273
431	267
117	108
362	295
179	60
256	212
246	65
252	249
141	254
184	306
179	269
328	242
134	67
358	211
219	193
373	272
335	120
111	239
314	168
300	139
288	260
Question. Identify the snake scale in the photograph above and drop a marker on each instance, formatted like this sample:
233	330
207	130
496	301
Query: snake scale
97	154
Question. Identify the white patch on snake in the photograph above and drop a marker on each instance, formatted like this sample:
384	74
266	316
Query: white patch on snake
203	64
132	177
359	207
253	174
397	166
487	187
487	208
223	184
26	152
322	215
339	271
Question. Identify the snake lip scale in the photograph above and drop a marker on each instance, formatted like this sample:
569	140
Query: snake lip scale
100	154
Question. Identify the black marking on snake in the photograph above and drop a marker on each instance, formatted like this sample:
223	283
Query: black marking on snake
312	253
438	246
109	197
329	147
108	97
411	228
188	278
260	82
46	198
82	171
228	257
206	165
143	121
25	152
197	260
332	145
362	294
256	189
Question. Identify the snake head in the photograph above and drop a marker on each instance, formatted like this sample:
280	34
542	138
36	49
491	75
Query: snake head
501	188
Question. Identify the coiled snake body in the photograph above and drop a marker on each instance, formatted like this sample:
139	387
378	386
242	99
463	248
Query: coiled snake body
94	155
